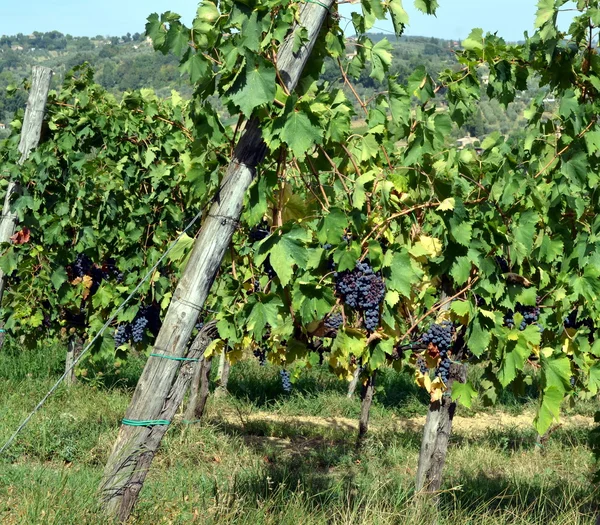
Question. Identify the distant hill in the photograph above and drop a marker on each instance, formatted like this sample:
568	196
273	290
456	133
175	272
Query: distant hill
129	62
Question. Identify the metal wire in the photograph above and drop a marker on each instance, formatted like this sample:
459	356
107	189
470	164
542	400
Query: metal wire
102	330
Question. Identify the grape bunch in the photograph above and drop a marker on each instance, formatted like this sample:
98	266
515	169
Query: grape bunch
81	266
502	264
269	270
422	364
261	355
122	335
147	318
530	315
286	384
440	335
259	232
138	328
109	269
363	290
334	321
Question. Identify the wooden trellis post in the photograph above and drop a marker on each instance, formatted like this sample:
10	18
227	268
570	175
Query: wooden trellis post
30	138
132	452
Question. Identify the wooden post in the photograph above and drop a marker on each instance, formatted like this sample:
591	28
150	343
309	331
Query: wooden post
436	435
30	138
438	425
154	434
223	376
200	390
120	485
367	392
74	348
353	383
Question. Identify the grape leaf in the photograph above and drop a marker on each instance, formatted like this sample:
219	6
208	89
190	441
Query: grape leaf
403	274
548	410
255	86
300	134
464	393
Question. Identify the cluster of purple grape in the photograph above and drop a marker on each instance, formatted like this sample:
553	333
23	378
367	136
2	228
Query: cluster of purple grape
83	266
109	269
261	355
502	264
422	364
147	318
440	335
334	321
269	270
286	383
363	290
530	316
259	232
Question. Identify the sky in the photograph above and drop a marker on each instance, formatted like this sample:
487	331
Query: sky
454	20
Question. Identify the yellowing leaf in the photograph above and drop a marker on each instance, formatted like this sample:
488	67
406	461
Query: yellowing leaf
214	348
432	245
447	204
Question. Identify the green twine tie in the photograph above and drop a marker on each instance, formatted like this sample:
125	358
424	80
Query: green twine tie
318	3
173	358
147	423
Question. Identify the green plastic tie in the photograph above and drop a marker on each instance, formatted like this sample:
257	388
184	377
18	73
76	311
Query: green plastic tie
2	330
173	358
318	3
147	423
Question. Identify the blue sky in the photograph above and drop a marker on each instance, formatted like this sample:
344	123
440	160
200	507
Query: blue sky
455	18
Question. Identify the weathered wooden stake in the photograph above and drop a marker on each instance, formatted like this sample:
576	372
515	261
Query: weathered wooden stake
353	383
438	425
30	138
436	435
129	461
154	434
223	376
199	391
74	348
367	392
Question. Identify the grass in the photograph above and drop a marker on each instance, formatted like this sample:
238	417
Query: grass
260	457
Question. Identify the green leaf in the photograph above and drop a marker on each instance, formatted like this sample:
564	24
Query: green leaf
479	338
382	349
427	6
349	342
464	393
59	276
381	58
255	86
545	12
461	269
178	38
399	16
287	253
474	41
260	315
557	372
9	261
403	274
549	409
300	134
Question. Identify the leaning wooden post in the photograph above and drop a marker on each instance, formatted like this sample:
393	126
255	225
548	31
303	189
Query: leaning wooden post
120	485
30	138
438	425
